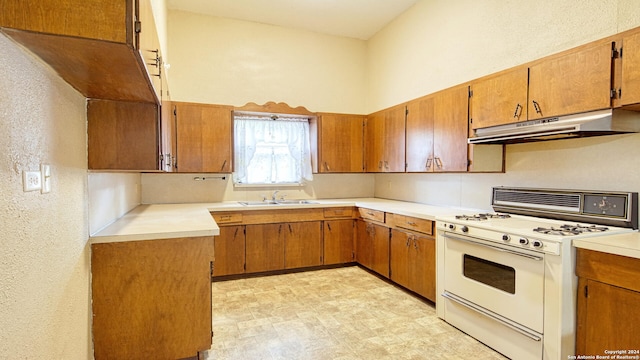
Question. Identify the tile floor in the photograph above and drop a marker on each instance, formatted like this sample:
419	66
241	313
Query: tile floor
344	313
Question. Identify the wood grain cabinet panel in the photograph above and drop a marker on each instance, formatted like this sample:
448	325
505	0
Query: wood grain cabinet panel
385	140
229	251
151	299
123	135
204	138
373	247
303	244
338	241
576	82
340	143
101	42
412	262
264	247
630	79
608	298
499	99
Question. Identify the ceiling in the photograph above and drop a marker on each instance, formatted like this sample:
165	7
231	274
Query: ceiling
360	19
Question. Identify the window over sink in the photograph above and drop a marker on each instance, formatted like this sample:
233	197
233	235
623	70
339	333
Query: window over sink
271	149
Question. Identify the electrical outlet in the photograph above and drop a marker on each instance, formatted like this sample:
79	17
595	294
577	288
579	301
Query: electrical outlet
31	180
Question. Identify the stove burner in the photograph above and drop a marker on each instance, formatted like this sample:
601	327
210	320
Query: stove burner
482	217
570	229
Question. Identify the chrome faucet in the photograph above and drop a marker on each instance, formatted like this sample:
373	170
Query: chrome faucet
273	196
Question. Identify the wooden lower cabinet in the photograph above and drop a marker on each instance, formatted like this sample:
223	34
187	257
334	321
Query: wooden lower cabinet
229	251
608	299
412	262
264	247
373	247
151	299
302	244
338	241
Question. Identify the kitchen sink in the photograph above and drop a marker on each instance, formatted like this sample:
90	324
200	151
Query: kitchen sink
277	202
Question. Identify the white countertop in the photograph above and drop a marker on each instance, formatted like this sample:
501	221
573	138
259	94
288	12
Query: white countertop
622	244
163	221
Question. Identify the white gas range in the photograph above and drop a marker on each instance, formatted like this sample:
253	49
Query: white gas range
507	278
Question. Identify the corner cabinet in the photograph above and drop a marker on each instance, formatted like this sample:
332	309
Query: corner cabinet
340	143
385	140
203	137
151	298
124	135
104	42
608	298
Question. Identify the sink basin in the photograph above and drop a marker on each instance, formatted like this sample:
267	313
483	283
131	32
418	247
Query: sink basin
276	202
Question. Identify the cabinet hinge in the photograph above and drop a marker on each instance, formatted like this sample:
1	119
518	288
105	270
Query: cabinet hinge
406	111
612	93
586	291
614	52
620	52
175	111
138	26
470	93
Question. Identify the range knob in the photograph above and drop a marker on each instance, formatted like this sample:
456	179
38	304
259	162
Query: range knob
506	237
451	226
524	241
464	229
537	244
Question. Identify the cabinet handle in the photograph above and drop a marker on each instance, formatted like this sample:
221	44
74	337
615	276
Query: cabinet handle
408	241
380	165
415	243
429	163
439	163
411	223
537	107
386	165
329	226
290	231
223	165
518	111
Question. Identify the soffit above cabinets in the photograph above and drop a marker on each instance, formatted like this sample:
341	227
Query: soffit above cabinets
359	19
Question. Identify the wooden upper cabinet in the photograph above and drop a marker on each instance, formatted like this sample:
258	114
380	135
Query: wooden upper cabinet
99	38
630	78
499	99
420	122
385	140
204	138
340	143
123	135
450	129
576	82
437	128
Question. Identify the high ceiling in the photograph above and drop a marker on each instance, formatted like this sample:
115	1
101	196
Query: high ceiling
359	19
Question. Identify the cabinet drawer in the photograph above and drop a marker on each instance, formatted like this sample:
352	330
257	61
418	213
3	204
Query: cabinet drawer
227	218
338	212
375	215
414	224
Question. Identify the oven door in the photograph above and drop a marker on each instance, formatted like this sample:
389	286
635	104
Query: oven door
501	281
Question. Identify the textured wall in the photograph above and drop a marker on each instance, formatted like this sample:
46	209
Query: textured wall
453	42
44	256
223	61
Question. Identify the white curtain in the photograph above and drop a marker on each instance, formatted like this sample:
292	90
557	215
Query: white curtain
271	151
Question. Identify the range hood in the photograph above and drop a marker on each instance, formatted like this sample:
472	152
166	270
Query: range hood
594	123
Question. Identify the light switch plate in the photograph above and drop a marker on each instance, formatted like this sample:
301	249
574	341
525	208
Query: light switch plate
31	180
45	172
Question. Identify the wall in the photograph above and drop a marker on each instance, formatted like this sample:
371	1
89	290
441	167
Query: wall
111	195
44	254
224	61
439	43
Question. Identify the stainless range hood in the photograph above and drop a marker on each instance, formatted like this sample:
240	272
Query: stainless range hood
594	123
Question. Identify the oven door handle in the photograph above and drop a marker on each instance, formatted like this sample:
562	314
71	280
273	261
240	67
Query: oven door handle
484	312
533	257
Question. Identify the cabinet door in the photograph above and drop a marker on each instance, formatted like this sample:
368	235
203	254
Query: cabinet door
630	89
229	251
499	99
204	137
423	269
264	247
303	244
380	246
420	135
374	142
338	241
573	83
341	146
608	319
450	129
399	258
364	249
123	135
148	45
